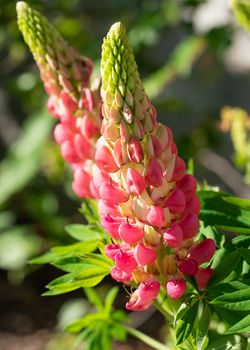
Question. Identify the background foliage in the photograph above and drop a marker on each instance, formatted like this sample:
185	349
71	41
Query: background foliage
190	70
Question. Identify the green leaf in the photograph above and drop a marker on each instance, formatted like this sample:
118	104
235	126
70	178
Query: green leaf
241	241
90	212
202	326
239	300
225	266
75	249
83	233
245	253
74	264
99	260
118	332
94	298
89	276
238	202
45	258
185	324
223	288
228	342
240	327
217	212
211	232
110	298
24	158
86	321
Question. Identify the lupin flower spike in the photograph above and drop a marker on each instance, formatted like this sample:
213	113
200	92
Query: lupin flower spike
61	67
148	204
66	74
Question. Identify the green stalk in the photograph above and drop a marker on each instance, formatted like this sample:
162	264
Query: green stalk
146	339
164	312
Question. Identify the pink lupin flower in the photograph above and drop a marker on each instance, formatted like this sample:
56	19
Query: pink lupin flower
173	237
111	193
188	185
144	255
189	225
156	201
188	267
106	209
154	173
202	251
81	183
131	233
126	261
135	151
203	276
105	160
119	275
111	224
155	216
136	182
176	288
176	202
144	296
66	77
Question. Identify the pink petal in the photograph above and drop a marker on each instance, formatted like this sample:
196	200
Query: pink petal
188	185
81	183
203	276
130	233
105	160
135	151
190	226
69	153
111	224
188	267
176	288
60	133
112	194
179	169
144	255
176	201
88	128
173	237
193	206
111	250
202	251
106	209
119	275
126	262
155	216
99	177
154	173
83	147
135	181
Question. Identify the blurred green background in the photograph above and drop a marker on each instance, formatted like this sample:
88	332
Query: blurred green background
194	59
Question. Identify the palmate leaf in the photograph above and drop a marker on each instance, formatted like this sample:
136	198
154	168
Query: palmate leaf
217	211
185	323
245	253
228	342
202	326
88	278
235	301
225	264
84	233
240	327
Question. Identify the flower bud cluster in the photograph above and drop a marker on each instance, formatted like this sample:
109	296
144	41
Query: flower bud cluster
148	203
66	76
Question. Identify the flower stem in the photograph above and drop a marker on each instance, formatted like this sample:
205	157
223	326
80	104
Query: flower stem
146	339
159	307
